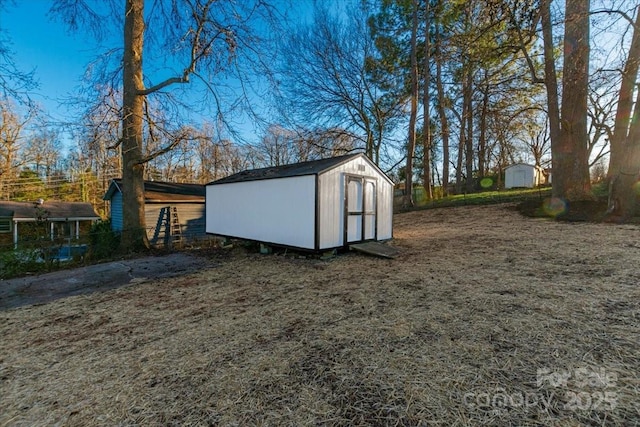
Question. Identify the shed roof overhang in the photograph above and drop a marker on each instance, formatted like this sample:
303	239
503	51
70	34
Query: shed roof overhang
162	192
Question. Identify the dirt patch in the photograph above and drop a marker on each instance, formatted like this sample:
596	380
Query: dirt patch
486	318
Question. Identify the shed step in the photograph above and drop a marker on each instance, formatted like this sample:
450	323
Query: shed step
375	248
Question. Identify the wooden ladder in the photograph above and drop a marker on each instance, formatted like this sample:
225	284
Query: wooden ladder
175	231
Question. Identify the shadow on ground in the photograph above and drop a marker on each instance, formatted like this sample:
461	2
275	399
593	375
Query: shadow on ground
587	210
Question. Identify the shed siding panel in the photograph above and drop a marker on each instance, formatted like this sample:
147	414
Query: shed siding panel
385	210
190	215
520	175
116	211
280	211
331	199
155	233
331	209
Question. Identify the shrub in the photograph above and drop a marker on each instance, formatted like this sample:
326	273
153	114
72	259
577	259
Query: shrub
15	263
104	241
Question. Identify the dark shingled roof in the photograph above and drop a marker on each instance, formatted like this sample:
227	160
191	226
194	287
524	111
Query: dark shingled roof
52	210
312	167
157	191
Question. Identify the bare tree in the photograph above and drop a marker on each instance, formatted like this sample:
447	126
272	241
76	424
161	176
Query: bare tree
330	142
99	135
325	79
208	38
277	147
217	156
600	113
568	119
12	127
42	151
538	142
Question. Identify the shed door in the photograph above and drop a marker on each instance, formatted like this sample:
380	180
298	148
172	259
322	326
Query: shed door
520	179
370	204
360	209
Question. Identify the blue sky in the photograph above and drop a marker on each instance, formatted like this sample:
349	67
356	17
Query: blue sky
59	57
42	44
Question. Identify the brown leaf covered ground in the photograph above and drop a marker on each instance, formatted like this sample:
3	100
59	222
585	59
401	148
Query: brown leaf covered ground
487	318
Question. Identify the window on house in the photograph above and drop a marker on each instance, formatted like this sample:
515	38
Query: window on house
5	225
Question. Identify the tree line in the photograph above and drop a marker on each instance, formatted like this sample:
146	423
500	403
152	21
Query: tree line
441	94
33	164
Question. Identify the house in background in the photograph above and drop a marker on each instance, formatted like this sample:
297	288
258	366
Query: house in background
172	211
315	205
522	175
21	222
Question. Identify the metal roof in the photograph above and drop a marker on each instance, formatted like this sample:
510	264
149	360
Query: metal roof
312	167
158	191
60	211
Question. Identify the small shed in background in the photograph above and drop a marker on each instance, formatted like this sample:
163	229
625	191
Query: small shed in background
62	221
315	205
522	175
172	210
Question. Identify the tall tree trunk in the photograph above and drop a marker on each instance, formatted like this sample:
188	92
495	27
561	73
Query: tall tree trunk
501	163
468	157
568	127
570	156
411	143
625	191
461	144
551	84
444	121
134	236
482	138
426	105
624	160
625	102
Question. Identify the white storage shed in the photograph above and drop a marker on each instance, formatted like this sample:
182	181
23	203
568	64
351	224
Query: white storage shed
522	175
316	205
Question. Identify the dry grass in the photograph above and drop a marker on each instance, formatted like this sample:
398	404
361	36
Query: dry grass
481	302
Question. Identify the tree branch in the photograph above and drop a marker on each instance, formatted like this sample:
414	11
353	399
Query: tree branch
160	152
619	12
116	145
523	47
168	82
197	52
